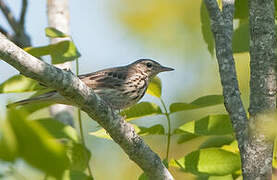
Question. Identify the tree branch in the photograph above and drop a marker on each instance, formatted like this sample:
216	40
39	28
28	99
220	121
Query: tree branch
19	37
222	28
75	90
9	16
23	13
262	87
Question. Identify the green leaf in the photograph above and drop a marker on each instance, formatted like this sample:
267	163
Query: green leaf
60	52
186	136
217	141
64	51
206	28
140	110
33	107
19	83
241	9
165	162
227	177
77	175
155	87
39	51
241	38
143	176
8	143
210	125
102	133
58	129
54	33
36	145
209	100
211	161
79	156
156	129
201	102
274	163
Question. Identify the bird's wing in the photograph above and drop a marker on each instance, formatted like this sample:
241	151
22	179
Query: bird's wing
109	78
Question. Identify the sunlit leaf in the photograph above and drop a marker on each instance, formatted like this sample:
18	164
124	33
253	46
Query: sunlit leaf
227	177
79	156
186	137
155	87
8	143
64	51
210	125
58	129
211	161
19	83
60	52
102	133
143	176
54	33
274	163
33	107
206	28
209	100
140	110
165	162
39	51
36	145
77	175
241	9
201	102
232	147
241	38
156	129
217	141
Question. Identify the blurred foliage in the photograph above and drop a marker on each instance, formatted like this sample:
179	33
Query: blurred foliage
162	23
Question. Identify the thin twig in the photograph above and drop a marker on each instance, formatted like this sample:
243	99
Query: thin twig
9	16
81	124
169	130
23	13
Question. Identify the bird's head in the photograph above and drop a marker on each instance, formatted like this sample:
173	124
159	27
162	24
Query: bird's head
149	67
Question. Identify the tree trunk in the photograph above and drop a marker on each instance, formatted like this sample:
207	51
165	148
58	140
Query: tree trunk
58	17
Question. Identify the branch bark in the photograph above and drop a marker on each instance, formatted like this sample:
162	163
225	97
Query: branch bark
75	90
58	17
255	146
222	28
262	87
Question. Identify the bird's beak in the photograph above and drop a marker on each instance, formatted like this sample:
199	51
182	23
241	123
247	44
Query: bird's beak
166	69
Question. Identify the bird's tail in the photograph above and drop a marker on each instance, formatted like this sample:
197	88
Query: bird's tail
51	97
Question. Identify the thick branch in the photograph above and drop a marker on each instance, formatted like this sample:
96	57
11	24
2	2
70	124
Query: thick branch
222	27
262	87
75	90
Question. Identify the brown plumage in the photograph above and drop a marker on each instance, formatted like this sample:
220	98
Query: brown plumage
120	87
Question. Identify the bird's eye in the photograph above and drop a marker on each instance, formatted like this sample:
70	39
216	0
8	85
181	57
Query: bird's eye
149	65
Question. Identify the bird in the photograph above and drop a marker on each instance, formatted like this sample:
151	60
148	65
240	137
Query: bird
120	87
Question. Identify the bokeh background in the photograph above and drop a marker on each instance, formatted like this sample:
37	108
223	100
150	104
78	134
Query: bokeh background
117	32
